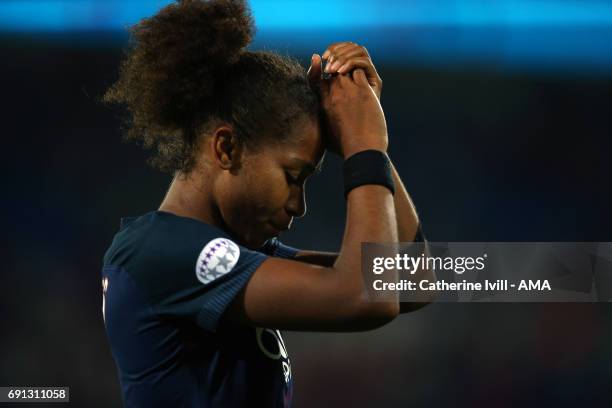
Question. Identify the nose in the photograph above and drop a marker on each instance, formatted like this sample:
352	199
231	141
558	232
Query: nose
296	205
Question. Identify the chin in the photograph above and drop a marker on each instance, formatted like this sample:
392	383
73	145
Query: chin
256	242
255	239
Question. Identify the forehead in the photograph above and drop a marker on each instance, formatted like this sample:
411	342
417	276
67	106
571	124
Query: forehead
304	142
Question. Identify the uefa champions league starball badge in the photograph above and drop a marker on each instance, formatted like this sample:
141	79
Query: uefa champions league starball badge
217	258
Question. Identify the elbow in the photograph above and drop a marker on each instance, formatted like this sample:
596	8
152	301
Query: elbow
358	310
386	312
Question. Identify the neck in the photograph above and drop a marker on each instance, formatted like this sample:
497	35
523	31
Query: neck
190	196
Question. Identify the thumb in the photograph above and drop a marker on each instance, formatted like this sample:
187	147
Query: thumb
359	77
314	71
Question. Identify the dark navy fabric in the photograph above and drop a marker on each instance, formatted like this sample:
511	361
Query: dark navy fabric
167	281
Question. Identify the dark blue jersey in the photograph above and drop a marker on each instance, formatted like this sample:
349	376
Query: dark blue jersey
167	281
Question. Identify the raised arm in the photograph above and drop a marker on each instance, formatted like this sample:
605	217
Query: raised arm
342	58
407	224
286	294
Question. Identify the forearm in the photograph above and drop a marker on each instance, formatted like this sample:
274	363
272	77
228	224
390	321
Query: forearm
370	218
407	226
406	219
405	212
407	223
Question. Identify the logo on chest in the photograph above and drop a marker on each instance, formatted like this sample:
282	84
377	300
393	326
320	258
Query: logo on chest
271	343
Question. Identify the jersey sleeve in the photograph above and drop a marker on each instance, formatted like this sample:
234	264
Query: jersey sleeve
192	271
223	268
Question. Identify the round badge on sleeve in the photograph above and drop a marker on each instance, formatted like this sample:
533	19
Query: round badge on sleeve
217	258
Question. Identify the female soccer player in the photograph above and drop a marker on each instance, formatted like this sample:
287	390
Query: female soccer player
195	292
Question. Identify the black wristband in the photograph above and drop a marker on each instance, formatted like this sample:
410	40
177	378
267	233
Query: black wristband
367	167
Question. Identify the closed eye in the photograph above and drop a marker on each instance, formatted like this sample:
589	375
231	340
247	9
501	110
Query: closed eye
304	173
292	179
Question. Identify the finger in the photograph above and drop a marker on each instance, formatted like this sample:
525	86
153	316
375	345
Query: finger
360	78
340	47
342	55
342	82
334	47
314	71
320	85
333	56
341	59
347	51
370	72
350	52
335	50
362	63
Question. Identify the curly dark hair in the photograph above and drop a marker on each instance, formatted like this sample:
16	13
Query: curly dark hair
188	66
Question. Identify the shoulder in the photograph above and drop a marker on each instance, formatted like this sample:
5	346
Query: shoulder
158	236
183	266
162	250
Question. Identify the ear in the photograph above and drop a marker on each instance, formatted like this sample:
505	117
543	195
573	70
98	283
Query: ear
226	148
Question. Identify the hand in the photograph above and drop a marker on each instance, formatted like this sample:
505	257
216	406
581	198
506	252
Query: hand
343	57
354	119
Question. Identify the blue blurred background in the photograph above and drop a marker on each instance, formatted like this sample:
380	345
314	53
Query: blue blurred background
499	116
519	34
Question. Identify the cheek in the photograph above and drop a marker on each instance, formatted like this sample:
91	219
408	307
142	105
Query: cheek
256	197
269	194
